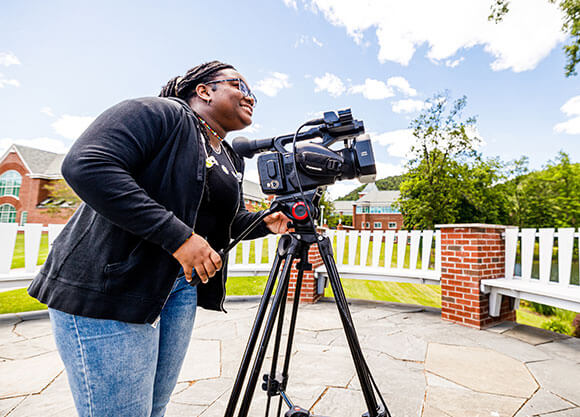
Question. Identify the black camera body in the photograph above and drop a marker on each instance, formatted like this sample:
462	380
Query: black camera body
314	164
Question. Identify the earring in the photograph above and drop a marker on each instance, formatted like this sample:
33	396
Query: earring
208	101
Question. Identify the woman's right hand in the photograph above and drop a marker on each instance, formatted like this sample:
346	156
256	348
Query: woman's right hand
196	253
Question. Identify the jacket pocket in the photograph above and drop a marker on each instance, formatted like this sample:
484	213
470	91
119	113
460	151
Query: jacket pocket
144	274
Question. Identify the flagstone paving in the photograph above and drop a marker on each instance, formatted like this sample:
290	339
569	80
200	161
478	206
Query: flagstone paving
422	365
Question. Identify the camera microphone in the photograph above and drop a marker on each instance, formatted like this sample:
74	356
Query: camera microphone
248	147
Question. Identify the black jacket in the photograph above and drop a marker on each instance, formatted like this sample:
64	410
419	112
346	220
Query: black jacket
140	170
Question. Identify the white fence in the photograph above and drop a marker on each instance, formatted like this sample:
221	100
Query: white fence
256	257
556	287
20	277
379	255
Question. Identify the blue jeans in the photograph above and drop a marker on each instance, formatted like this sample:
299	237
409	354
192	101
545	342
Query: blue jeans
120	369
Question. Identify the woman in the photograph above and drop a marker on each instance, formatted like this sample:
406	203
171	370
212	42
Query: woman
161	190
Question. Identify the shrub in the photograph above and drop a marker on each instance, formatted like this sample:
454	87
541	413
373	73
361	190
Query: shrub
543	309
576	324
557	325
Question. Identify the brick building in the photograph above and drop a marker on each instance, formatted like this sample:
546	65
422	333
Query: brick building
24	173
375	210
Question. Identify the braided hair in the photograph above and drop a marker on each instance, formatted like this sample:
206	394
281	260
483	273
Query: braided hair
184	87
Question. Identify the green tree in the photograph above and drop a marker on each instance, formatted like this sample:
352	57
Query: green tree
570	26
516	173
551	197
62	198
430	188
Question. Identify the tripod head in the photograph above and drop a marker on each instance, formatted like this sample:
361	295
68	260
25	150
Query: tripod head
300	208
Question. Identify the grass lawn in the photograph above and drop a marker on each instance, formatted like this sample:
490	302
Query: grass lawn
428	295
18	257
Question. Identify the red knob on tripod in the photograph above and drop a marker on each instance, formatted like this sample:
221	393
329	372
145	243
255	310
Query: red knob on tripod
299	211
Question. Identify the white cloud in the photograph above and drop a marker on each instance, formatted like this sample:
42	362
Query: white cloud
47	110
291	3
527	34
46	144
253	128
571	127
570	108
330	83
410	106
272	85
8	82
398	142
8	58
386	170
71	127
402	85
341	188
306	40
454	63
372	90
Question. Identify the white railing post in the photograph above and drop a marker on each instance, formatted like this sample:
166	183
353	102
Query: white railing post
546	248
8	232
565	250
32	236
528	242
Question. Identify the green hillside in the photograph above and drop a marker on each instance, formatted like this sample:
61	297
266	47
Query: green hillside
386	184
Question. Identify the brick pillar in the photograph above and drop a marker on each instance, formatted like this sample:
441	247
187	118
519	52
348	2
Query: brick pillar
470	253
308	293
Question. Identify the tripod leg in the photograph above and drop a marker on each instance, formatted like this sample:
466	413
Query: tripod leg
276	349
361	368
301	267
237	388
260	355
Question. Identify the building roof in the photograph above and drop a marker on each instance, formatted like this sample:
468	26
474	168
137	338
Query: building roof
252	191
40	164
375	197
371	186
343	206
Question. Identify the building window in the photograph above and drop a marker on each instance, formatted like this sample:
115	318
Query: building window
10	183
23	218
367	225
378	225
392	225
7	213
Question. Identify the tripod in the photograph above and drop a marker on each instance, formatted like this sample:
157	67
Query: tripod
291	247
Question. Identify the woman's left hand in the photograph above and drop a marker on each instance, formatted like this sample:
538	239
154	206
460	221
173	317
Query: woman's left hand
277	222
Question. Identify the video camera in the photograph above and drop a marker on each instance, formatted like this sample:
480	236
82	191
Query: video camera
314	164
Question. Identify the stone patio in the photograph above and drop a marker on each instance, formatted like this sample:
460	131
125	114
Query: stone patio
423	365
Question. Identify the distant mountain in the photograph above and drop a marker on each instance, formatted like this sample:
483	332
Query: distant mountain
386	184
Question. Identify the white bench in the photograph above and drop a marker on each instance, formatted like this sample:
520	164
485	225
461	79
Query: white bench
361	240
562	294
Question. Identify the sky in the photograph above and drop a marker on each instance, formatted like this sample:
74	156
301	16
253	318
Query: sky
63	62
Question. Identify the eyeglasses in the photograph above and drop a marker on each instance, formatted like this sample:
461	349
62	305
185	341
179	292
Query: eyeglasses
242	86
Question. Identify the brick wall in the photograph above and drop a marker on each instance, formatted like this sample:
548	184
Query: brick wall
470	253
308	293
360	219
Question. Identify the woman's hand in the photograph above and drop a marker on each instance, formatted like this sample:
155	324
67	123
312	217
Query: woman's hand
277	222
196	253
